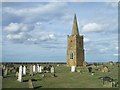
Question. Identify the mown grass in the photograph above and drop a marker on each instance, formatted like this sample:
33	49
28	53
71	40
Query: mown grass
64	79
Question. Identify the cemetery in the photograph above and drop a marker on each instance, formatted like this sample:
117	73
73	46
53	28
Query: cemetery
74	72
59	76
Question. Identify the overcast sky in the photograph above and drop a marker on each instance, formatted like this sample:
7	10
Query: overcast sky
35	32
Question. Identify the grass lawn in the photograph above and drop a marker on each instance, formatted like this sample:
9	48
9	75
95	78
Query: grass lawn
64	79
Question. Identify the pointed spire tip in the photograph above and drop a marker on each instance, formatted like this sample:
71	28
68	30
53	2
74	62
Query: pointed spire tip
75	30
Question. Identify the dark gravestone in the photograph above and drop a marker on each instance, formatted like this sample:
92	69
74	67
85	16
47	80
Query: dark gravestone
31	70
90	69
110	82
115	84
17	71
2	73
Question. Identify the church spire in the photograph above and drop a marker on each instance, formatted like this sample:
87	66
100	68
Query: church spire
75	27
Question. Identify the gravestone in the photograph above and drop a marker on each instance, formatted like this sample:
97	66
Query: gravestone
98	69
107	81
115	83
6	71
43	75
108	84
34	68
90	69
17	72
58	65
53	75
78	70
20	74
13	70
72	68
111	63
24	70
30	84
31	70
2	73
4	67
93	73
52	70
105	69
40	69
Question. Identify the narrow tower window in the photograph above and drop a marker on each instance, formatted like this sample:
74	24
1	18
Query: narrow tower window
71	55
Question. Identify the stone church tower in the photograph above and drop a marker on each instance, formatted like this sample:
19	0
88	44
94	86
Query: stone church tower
75	49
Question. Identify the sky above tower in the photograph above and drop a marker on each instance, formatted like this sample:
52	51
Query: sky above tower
37	31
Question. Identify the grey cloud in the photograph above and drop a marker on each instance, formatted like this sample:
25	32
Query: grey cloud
17	28
44	12
25	37
17	38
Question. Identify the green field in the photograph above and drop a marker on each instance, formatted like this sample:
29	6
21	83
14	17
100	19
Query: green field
64	79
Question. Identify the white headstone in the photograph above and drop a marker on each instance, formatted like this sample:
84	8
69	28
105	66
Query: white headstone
52	69
40	69
72	68
24	70
20	74
34	69
92	73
